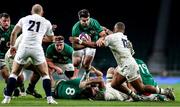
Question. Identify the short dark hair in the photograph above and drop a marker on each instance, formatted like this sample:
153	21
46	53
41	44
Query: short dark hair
59	39
6	15
83	13
120	25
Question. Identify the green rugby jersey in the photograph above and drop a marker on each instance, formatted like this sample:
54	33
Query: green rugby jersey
92	30
69	89
63	57
145	74
5	38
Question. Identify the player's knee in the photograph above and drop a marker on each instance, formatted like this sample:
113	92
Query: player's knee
76	61
76	64
114	86
20	78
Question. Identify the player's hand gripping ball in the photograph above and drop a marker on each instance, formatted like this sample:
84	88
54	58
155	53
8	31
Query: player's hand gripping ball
84	37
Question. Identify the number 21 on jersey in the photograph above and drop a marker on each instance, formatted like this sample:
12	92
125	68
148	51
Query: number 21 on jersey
34	26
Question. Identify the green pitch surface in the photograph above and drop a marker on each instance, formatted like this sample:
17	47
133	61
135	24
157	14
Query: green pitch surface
31	101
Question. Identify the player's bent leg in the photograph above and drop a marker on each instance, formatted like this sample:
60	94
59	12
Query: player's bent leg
77	64
88	58
31	87
76	61
5	73
11	84
43	70
117	83
87	62
141	88
20	84
77	57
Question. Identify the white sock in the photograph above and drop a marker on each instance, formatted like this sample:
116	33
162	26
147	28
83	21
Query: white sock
7	97
131	93
49	97
161	91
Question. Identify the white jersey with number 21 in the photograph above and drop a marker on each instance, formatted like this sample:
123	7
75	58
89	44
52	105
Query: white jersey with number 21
34	27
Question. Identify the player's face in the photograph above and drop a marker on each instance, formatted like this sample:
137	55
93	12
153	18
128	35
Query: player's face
84	21
5	22
59	46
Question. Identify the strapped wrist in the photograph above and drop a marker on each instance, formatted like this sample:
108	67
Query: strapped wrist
80	41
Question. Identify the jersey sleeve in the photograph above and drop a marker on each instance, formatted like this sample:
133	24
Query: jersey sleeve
97	26
69	50
107	41
49	53
49	31
75	30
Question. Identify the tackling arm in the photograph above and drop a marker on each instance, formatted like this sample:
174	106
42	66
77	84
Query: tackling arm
53	66
15	32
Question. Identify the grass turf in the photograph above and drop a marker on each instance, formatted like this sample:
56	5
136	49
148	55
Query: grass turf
31	101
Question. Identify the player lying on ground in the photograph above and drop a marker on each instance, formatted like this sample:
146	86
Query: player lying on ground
80	88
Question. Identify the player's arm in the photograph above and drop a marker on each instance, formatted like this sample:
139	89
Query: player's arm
53	66
89	44
50	63
17	29
85	84
97	72
100	42
108	32
102	34
47	39
49	35
49	59
79	44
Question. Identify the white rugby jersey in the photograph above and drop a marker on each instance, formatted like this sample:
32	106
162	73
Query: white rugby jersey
117	42
34	27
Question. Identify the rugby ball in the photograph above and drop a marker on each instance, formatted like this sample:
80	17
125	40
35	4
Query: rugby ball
84	36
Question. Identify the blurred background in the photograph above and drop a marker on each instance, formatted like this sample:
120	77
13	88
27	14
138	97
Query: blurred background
151	25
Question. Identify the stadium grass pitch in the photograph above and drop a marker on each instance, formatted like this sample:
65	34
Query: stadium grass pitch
31	101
